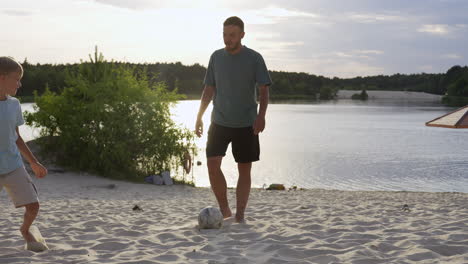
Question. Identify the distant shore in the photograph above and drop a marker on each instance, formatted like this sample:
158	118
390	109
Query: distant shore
342	94
393	95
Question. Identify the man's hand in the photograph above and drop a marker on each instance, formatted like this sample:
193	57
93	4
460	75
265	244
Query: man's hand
39	170
259	124
199	127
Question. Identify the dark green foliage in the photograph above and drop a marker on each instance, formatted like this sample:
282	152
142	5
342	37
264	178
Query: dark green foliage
455	100
452	75
108	121
456	83
38	77
328	92
360	96
423	82
458	88
188	80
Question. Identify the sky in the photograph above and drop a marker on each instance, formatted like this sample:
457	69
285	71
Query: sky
346	38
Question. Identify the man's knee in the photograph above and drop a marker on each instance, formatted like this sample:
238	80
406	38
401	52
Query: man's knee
244	167
214	163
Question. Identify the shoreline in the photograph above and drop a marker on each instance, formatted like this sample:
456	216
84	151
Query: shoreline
392	95
53	169
342	94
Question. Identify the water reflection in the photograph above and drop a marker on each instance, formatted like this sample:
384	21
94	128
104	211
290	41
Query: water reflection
348	145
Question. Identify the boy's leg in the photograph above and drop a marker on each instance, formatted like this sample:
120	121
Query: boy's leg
30	215
243	189
23	193
218	184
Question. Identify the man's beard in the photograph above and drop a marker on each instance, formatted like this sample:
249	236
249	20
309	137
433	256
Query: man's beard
232	48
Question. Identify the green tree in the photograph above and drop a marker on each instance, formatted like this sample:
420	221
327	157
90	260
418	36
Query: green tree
328	92
360	96
458	88
108	121
451	76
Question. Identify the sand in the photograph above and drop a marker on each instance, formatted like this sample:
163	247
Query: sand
87	219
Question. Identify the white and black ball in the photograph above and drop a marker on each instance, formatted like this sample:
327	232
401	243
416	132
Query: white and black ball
210	218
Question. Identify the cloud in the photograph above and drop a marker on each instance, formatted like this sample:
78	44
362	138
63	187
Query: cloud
277	47
442	29
362	54
351	69
267	36
151	4
338	67
373	18
374	52
426	68
329	37
330	64
136	4
17	12
273	15
237	6
435	29
451	56
282	12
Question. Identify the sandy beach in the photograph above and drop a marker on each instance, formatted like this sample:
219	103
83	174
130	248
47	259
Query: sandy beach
88	219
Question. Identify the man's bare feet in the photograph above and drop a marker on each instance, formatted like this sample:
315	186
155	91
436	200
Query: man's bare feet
226	212
240	217
27	235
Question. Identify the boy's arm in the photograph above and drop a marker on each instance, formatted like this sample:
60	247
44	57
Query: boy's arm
259	124
37	167
207	95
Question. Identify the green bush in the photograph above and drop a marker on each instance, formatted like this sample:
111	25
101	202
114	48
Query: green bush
328	92
360	96
455	101
458	88
109	120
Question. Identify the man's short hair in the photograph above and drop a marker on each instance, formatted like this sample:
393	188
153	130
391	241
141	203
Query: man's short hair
234	21
9	65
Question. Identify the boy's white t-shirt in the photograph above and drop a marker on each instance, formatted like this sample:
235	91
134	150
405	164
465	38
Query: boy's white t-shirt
10	118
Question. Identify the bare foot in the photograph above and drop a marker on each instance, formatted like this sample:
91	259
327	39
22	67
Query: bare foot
27	235
240	217
226	212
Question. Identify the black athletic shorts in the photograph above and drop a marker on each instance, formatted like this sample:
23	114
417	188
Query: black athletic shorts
245	145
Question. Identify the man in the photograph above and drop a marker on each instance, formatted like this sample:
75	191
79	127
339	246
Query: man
231	79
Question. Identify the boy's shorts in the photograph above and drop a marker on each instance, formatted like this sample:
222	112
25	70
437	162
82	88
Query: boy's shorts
245	144
19	187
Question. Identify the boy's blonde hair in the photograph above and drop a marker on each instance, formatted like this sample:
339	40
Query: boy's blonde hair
9	65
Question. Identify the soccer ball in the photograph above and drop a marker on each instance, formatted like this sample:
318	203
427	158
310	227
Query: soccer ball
210	218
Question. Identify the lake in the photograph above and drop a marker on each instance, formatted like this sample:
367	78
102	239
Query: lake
345	145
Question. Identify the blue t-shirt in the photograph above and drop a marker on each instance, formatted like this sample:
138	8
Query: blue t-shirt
235	78
10	118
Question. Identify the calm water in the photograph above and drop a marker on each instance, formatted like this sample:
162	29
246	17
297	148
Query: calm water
346	145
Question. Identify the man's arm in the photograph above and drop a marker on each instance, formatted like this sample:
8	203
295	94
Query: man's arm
38	169
207	95
264	94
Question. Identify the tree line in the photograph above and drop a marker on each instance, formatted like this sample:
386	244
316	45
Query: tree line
188	80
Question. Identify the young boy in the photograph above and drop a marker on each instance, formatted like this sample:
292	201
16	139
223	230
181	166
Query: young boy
13	176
